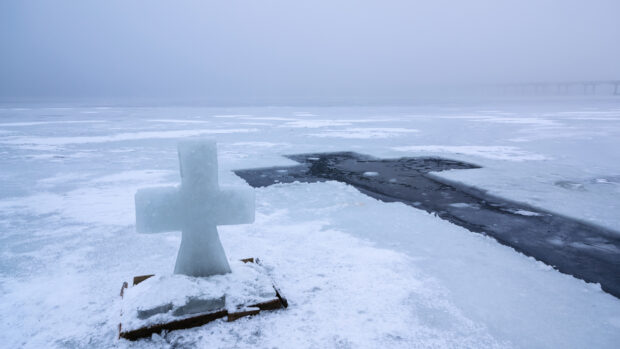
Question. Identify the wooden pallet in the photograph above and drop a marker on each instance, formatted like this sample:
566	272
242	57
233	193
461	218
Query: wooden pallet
200	319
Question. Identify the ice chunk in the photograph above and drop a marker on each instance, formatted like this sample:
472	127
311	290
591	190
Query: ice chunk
371	174
527	213
160	309
197	305
462	205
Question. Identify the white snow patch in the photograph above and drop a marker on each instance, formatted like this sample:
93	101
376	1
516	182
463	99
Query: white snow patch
365	133
269	118
62	178
519	120
133	176
38	123
258	144
109	200
61	156
314	123
490	152
526	213
231	116
179	121
462	205
39	147
121	136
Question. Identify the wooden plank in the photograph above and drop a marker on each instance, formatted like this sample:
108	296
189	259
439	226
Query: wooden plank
139	279
173	325
239	314
269	305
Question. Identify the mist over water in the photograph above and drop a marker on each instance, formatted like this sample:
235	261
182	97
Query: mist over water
288	52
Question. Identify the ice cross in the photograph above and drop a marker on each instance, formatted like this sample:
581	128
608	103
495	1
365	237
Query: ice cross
196	207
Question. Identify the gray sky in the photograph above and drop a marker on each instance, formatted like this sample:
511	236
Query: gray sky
278	51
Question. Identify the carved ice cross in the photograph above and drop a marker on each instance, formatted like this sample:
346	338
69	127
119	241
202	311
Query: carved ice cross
196	207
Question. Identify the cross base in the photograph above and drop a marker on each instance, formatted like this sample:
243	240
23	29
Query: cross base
149	307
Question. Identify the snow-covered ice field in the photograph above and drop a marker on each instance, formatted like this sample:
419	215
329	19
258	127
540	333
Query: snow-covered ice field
358	273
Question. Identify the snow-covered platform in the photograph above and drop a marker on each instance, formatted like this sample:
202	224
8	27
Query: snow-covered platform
171	302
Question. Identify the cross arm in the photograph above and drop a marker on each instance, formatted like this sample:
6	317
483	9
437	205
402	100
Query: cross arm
235	205
158	210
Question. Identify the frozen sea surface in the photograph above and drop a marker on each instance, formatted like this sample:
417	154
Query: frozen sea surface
357	272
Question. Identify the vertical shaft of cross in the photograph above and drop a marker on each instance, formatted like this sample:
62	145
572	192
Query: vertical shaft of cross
198	165
201	252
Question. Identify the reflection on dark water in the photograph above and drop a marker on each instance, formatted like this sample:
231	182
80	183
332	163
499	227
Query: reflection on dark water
585	251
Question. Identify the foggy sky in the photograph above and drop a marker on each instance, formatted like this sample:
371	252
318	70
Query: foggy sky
278	51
